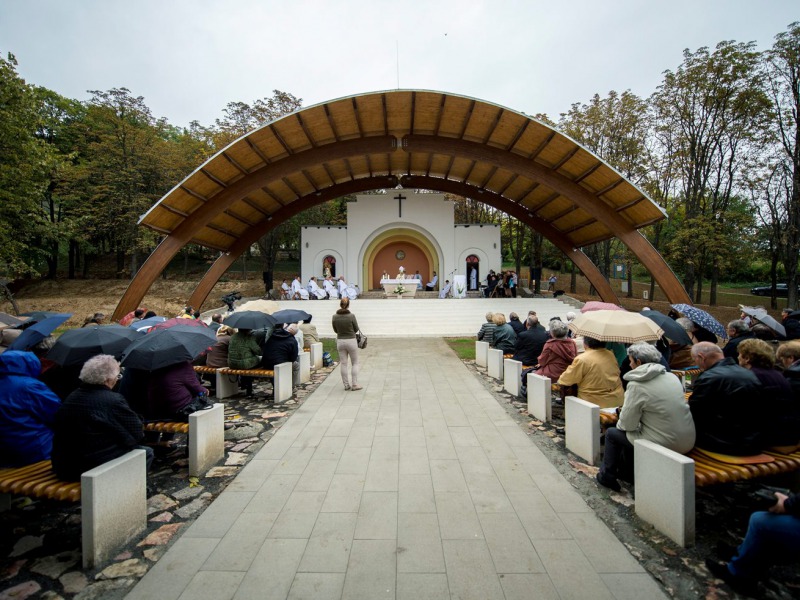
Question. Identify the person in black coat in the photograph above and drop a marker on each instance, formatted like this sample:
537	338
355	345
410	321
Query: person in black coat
791	322
738	332
530	343
95	425
517	325
723	399
282	347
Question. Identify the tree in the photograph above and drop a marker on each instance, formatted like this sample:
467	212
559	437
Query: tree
709	113
783	83
241	118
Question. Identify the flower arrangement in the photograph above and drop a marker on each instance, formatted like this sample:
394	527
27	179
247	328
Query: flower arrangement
399	290
460	290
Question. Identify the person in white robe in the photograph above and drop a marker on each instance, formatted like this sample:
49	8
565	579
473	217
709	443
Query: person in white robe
473	279
418	280
341	286
286	291
431	285
330	288
315	290
446	289
352	292
298	292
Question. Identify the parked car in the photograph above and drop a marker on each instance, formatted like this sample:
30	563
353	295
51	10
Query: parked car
781	290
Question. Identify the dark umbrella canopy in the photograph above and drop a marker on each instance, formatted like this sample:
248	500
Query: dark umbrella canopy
38	331
76	346
702	318
672	330
250	319
164	347
290	315
762	316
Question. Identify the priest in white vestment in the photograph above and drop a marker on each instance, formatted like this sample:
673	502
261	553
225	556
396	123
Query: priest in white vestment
298	292
446	289
286	291
315	290
330	288
431	285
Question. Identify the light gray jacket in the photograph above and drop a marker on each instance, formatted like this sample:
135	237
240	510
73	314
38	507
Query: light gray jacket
655	409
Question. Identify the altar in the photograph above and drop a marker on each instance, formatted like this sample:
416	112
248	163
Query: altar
409	285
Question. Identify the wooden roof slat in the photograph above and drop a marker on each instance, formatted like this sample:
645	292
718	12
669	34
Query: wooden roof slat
254	206
588	171
305	130
488	177
469	172
231	160
449	167
239	218
357	117
467	119
519	134
310	179
280	139
216	180
628	205
349	169
609	187
194	194
257	150
332	124
272	195
328	172
569	155
508	184
288	184
494	125
547	201
440	115
581	225
538	150
173	210
412	110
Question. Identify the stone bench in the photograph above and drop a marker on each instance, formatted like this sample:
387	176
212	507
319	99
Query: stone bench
666	481
113	499
495	363
227	383
315	354
512	376
206	431
481	353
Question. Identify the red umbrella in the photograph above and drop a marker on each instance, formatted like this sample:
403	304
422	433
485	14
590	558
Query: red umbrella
595	305
176	321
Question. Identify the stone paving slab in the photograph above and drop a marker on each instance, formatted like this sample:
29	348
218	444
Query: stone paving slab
420	486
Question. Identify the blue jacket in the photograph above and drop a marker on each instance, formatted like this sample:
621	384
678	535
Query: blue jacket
27	409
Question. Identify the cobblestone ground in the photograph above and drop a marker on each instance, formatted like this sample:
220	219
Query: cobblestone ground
40	540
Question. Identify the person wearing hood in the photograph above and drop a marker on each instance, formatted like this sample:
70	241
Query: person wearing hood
27	411
654	410
282	347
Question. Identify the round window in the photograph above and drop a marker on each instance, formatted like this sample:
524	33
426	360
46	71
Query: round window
400	255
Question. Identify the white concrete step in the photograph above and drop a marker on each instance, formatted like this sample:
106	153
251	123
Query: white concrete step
420	317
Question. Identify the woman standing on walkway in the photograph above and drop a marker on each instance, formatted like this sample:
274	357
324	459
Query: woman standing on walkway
345	326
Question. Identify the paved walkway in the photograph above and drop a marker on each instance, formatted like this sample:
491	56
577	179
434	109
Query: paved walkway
418	487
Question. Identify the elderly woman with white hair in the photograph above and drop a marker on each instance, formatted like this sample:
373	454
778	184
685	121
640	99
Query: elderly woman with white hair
654	410
95	424
558	352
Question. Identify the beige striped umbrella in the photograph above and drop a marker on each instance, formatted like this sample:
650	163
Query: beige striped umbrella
616	326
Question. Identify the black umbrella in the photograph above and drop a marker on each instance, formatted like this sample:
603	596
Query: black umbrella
672	329
165	347
290	315
76	346
250	319
38	331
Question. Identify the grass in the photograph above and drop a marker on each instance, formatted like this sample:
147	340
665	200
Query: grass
329	345
463	347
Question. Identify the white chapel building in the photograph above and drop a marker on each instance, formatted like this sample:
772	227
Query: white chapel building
415	230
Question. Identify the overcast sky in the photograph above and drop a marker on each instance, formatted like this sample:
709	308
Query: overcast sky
189	58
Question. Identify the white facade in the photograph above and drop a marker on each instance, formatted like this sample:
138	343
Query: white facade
421	220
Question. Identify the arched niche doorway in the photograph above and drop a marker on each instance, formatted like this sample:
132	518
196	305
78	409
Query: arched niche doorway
329	266
473	273
405	238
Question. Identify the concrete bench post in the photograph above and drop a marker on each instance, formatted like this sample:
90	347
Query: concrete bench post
305	367
540	398
316	355
582	425
665	490
206	439
495	363
282	382
113	506
227	385
481	353
512	376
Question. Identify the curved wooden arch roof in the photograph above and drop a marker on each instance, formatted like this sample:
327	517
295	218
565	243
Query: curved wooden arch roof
402	133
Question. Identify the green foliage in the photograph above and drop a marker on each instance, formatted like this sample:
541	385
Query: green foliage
463	347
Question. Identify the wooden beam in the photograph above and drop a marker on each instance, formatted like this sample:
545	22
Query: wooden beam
467	120
257	150
582	198
331	123
280	139
588	171
521	131
213	178
542	146
566	158
231	160
258	179
440	114
493	126
307	133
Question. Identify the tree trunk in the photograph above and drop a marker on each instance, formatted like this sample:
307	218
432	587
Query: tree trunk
86	261
52	261
573	278
120	262
10	297
134	263
629	267
72	258
698	299
714	281
773	276
652	288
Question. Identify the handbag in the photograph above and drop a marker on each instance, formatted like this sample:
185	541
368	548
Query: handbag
361	340
197	403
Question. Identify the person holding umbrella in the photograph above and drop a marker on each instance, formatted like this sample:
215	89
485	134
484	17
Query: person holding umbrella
282	347
95	424
244	353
